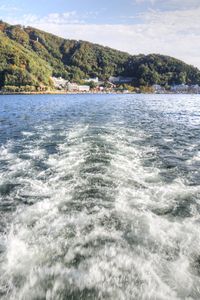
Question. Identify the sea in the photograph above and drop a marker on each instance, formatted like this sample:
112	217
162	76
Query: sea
100	197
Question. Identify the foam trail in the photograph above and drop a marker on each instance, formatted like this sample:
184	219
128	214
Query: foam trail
91	214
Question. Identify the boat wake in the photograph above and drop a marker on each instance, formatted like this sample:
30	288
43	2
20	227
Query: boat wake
88	216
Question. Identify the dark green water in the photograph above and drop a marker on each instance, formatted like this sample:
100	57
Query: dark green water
100	197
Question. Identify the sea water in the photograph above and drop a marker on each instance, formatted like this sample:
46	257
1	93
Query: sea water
100	197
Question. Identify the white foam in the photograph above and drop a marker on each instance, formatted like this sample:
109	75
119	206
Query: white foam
120	245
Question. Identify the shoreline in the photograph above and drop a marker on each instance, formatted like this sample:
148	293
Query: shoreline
89	93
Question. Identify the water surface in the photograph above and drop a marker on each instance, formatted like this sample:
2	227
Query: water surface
100	197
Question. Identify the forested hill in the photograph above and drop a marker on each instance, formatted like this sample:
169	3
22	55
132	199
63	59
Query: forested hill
28	57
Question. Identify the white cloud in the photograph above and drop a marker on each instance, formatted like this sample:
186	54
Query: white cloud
6	8
65	18
171	4
175	33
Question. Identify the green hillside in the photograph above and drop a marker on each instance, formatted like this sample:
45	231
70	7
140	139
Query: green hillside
28	57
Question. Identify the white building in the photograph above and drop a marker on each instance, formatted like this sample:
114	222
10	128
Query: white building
84	88
194	89
158	88
95	80
74	87
59	83
120	79
180	88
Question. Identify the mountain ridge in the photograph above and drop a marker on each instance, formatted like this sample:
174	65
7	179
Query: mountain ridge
29	57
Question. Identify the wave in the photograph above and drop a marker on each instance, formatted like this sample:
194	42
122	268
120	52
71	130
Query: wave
87	217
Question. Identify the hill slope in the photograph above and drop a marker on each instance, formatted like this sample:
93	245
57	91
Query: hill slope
29	56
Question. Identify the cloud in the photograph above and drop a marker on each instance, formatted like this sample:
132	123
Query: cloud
175	33
171	4
6	8
65	18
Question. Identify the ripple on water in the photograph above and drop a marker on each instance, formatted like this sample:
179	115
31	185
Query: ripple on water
99	211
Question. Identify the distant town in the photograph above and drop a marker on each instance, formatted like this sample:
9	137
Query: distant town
34	61
119	85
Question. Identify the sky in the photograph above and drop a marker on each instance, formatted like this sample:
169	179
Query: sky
170	27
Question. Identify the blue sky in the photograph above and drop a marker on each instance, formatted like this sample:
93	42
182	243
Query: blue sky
169	27
100	12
